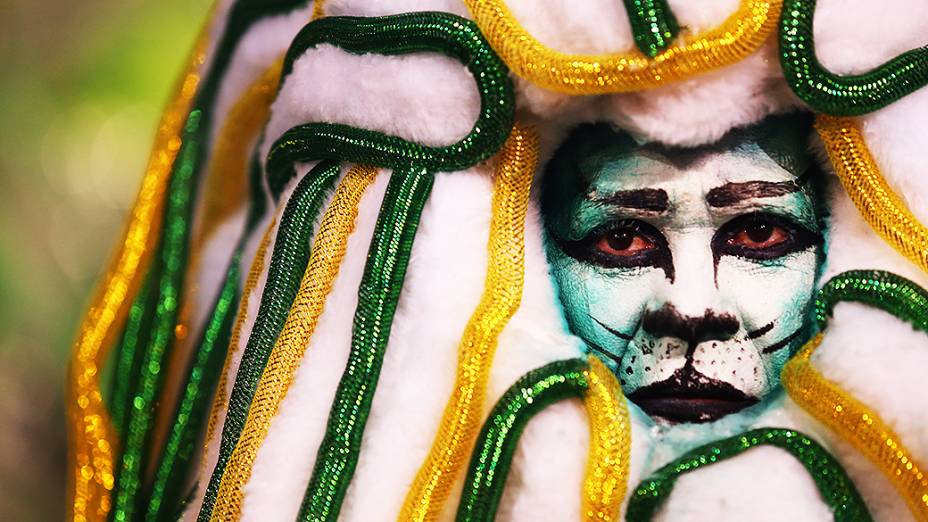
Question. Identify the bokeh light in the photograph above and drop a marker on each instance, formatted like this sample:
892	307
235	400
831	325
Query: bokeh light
82	89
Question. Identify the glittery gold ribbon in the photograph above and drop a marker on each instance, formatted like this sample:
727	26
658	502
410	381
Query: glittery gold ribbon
501	297
880	206
325	259
859	425
740	35
606	478
91	438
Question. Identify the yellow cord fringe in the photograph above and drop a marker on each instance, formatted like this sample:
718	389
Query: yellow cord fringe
740	35
606	478
91	436
501	297
325	259
859	425
880	206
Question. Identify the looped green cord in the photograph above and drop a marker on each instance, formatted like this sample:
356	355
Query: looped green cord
441	33
838	491
496	445
834	94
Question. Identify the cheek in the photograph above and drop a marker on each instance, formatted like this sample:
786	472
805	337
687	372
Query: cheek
777	291
615	298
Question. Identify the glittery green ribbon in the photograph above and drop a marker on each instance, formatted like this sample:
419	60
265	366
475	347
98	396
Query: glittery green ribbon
838	491
489	465
202	375
288	263
169	263
834	94
884	290
441	33
379	291
653	25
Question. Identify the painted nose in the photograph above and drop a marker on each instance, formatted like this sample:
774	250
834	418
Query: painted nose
709	326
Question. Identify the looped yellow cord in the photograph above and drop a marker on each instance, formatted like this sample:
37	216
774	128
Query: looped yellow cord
221	397
91	437
325	259
880	206
738	36
501	297
857	424
606	478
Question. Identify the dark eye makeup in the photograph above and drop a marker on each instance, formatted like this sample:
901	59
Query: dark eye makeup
622	244
762	236
633	243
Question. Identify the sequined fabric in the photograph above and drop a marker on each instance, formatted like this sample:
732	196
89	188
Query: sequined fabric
739	36
325	259
288	263
496	445
379	291
91	438
851	419
502	295
834	94
879	205
435	32
833	483
606	477
653	25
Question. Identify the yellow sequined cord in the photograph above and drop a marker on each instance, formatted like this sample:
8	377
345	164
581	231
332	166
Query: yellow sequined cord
325	258
606	478
740	35
880	206
221	397
91	437
501	297
857	424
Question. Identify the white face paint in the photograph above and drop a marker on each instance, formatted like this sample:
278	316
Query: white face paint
689	272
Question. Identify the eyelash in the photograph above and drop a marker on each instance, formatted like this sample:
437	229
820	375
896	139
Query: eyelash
798	237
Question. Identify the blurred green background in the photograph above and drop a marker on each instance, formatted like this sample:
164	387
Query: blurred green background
81	92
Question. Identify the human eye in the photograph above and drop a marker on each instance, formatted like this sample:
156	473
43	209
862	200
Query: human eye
622	244
762	236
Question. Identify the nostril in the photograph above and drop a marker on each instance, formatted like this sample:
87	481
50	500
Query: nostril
711	326
715	327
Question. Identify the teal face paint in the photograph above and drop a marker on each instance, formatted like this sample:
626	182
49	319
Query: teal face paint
689	272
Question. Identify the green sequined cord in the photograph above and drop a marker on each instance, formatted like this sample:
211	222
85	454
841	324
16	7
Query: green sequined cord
839	95
288	263
653	25
379	291
128	357
885	290
169	263
173	255
489	464
441	33
836	488
203	374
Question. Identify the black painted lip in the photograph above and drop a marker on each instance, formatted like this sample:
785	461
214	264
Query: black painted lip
688	396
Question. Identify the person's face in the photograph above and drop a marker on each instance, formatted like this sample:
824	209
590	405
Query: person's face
689	272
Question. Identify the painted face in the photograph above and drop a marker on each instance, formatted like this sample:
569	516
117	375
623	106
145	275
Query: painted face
689	272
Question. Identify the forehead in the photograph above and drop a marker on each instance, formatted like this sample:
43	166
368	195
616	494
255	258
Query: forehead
605	171
598	156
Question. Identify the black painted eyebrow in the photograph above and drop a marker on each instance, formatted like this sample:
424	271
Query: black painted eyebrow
652	200
733	193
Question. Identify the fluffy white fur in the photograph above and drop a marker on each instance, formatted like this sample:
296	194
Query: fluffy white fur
432	99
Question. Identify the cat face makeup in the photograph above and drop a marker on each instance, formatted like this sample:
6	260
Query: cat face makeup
689	272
